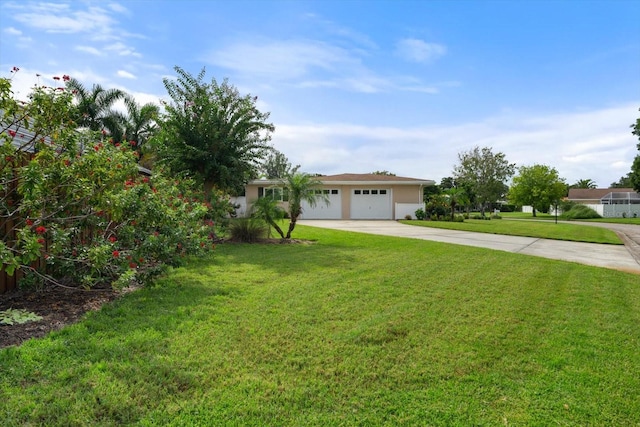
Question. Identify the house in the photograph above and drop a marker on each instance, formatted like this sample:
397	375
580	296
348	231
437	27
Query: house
608	202
351	196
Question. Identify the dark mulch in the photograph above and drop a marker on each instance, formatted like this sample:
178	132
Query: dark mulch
58	307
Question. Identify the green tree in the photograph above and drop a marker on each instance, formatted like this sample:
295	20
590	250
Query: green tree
538	186
385	173
584	183
634	175
212	132
268	210
623	182
277	166
484	174
302	187
140	122
455	197
93	108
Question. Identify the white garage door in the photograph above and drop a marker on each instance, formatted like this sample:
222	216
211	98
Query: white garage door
322	210
371	203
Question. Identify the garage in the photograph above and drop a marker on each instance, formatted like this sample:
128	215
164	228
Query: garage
322	210
371	203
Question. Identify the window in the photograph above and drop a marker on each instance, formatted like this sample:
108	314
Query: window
276	193
334	191
383	191
365	191
356	191
374	191
325	191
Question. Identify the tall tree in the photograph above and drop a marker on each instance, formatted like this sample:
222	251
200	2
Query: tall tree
277	166
302	187
584	183
212	132
634	175
484	174
623	182
140	122
538	186
94	107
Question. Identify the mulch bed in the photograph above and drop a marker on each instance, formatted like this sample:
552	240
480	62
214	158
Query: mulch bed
58	307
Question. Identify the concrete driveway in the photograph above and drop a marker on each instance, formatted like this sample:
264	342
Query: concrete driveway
609	256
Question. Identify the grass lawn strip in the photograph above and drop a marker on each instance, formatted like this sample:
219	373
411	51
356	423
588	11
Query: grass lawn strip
353	330
538	229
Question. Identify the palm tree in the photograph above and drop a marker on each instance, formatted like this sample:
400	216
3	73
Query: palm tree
585	183
267	209
455	197
302	187
140	121
94	107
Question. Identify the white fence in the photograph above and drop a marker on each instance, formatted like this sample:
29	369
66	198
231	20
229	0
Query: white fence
404	209
605	211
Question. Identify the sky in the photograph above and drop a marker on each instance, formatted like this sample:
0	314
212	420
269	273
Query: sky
360	86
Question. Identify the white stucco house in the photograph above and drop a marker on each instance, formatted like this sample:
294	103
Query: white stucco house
351	196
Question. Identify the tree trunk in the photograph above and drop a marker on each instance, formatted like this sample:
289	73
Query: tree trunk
277	228
292	225
534	212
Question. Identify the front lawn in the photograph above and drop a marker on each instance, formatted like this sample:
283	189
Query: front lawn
539	229
353	329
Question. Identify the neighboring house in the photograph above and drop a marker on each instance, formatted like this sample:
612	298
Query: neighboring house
608	202
351	196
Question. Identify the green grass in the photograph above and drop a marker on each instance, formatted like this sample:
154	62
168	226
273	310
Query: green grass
547	217
354	330
539	229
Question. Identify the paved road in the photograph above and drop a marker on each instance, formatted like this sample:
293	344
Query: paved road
609	256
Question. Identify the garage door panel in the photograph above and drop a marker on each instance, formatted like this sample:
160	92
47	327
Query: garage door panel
371	204
323	211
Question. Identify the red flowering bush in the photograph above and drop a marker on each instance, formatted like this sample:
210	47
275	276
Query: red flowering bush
76	209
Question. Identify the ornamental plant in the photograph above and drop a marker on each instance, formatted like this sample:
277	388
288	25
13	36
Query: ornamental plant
75	208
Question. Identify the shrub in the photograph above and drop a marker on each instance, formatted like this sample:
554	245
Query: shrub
496	216
420	214
580	212
79	211
247	230
408	217
458	218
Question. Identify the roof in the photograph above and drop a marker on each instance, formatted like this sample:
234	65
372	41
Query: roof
361	179
595	193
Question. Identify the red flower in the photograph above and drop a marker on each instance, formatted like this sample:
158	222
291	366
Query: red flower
113	239
56	78
66	78
40	229
29	222
41	241
12	133
8	158
67	162
132	265
15	69
116	254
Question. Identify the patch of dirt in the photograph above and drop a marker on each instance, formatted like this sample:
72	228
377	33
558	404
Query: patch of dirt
58	307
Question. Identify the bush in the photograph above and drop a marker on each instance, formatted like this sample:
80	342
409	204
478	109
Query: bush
458	218
420	214
580	212
78	209
408	217
496	216
508	208
247	230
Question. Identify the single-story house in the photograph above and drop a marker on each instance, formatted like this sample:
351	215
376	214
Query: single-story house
608	202
351	196
604	196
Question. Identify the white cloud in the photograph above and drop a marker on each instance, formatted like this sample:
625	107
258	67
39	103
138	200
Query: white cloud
416	50
89	49
125	74
13	31
123	50
592	144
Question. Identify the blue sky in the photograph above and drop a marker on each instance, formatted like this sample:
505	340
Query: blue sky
359	86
